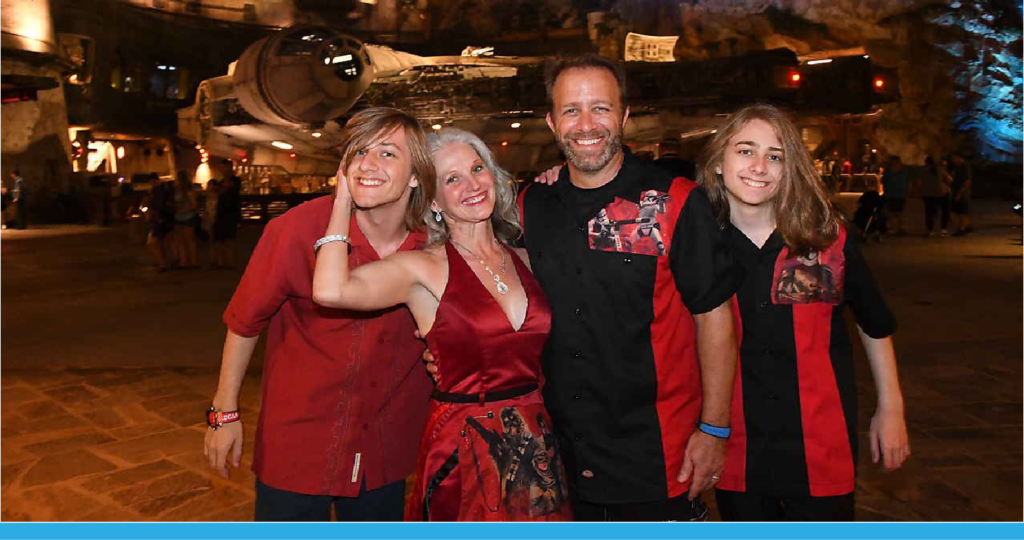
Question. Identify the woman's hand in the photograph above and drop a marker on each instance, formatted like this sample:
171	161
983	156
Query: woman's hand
341	192
549	176
888	439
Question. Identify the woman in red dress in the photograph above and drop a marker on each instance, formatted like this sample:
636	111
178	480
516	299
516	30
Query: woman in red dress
488	452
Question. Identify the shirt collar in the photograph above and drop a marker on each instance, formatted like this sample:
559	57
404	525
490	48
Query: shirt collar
358	240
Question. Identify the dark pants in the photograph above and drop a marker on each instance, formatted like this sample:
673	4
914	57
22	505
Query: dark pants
21	219
386	503
675	509
740	506
933	206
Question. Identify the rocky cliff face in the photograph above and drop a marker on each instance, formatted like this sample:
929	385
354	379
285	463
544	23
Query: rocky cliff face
959	62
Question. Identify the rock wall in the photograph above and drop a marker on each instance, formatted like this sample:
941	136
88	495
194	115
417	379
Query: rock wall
959	62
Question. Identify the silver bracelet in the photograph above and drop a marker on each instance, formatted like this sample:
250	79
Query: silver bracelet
328	239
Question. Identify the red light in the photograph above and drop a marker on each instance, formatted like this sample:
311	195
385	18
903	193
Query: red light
504	143
879	82
293	154
794	76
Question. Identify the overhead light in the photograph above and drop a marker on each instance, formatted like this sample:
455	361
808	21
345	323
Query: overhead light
342	58
867	56
879	82
516	125
316	134
293	155
371	2
795	77
713	131
281	145
435	127
814	62
504	143
120	152
161	67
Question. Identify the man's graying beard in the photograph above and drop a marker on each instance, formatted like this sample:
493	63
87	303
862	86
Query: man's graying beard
613	146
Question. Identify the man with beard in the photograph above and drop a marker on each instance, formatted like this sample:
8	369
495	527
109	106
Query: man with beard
642	354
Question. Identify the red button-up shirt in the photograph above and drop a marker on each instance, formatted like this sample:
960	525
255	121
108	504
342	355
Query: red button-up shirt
345	394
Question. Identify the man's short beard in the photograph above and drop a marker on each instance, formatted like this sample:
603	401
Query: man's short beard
611	149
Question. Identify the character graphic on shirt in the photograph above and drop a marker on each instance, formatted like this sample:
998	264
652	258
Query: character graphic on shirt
627	227
816	277
531	481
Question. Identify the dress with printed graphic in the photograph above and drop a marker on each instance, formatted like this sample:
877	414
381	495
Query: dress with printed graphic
489	460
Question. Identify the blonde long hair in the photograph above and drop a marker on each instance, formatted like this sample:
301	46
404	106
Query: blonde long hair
804	214
505	217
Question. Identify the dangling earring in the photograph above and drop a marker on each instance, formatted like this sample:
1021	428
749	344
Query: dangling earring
437	216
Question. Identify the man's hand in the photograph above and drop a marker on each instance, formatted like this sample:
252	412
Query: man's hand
428	360
220	444
549	176
889	441
703	461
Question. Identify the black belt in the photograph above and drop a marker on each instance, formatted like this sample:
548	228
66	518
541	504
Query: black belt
483	397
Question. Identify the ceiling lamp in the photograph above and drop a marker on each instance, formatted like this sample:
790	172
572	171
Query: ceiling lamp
435	127
281	145
316	134
516	125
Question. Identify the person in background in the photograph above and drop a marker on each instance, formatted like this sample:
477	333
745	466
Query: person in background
210	217
793	447
935	194
19	198
960	193
159	205
185	215
225	227
896	185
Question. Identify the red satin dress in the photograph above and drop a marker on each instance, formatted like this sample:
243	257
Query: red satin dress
495	459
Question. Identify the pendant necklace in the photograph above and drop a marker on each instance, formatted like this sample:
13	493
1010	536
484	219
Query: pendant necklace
500	285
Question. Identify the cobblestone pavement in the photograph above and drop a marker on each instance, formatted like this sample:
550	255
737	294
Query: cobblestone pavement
107	367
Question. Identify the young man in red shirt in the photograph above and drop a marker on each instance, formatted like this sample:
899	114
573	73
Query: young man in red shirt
344	394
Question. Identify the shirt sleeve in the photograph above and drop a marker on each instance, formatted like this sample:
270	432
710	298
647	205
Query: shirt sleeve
862	293
704	269
265	285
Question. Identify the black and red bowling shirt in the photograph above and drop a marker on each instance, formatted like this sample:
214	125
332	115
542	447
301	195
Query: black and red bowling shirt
625	266
794	410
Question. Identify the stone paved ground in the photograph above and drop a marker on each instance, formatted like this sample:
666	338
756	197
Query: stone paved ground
108	365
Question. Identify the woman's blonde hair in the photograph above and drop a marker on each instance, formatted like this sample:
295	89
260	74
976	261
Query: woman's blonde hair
804	214
368	125
505	217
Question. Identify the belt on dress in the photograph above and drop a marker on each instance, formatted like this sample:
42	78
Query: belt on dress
483	397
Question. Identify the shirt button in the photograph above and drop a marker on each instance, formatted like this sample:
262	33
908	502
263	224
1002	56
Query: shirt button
576	354
577	438
578	312
767	352
366	426
373	384
380	340
773	397
587	473
583	228
577	395
764	305
627	260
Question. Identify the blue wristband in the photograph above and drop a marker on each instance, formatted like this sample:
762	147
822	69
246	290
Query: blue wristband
714	431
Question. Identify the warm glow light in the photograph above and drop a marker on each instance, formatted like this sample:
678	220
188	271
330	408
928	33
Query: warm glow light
203	174
504	143
316	134
435	127
879	82
795	77
293	155
281	145
815	62
120	152
516	125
